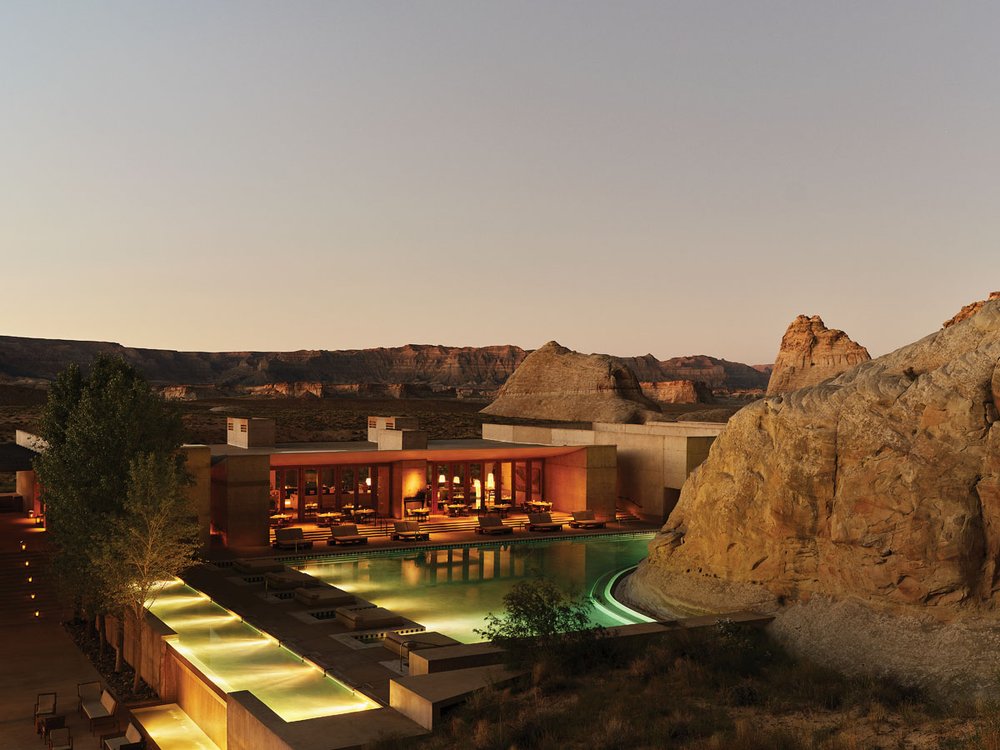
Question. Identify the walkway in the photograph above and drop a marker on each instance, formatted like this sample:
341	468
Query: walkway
36	653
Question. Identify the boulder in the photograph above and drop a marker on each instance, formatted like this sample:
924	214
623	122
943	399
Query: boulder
881	485
678	392
556	383
811	353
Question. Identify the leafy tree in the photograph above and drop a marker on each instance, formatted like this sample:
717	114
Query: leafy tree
147	546
539	616
95	426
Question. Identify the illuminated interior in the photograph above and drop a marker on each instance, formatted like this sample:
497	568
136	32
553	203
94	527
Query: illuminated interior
237	656
451	590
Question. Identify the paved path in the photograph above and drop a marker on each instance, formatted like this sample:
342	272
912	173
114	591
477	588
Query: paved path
36	654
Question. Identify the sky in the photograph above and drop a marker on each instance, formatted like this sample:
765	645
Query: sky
629	177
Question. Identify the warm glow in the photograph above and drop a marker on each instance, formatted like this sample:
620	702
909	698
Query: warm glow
456	480
442	479
368	481
490	482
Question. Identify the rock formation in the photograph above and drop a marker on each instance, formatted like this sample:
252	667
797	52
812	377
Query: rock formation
811	353
969	310
715	373
678	392
881	485
559	384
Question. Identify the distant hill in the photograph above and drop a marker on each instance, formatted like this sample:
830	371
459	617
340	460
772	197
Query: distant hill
482	369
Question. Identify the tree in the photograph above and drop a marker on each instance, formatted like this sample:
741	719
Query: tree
95	426
538	615
146	547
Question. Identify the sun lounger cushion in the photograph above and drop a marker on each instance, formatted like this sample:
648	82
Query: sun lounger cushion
542	522
346	533
584	519
291	539
490	524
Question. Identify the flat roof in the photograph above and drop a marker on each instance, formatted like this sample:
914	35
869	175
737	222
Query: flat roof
14	457
471	449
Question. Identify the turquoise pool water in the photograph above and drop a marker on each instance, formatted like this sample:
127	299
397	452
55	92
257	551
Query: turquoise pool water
451	590
237	656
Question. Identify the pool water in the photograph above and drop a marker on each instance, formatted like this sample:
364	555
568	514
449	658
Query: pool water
237	656
451	590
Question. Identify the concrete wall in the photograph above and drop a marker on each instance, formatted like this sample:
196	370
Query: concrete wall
240	499
584	479
198	698
653	459
199	465
26	485
253	432
400	440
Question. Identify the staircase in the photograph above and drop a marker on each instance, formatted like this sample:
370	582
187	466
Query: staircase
20	598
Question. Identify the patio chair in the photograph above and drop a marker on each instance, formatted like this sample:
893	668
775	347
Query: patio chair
87	691
346	533
101	711
60	739
48	724
584	519
409	530
492	524
542	522
131	740
45	708
291	538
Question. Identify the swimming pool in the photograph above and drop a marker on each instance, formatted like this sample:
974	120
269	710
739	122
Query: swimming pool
237	656
450	589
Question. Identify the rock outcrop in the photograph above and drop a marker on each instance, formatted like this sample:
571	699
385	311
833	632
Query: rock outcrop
811	353
559	384
881	486
678	392
713	372
969	310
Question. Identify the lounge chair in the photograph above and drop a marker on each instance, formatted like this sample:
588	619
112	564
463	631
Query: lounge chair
45	708
100	711
131	740
87	692
329	596
542	522
60	739
584	519
291	538
290	579
409	530
491	524
346	533
367	617
258	567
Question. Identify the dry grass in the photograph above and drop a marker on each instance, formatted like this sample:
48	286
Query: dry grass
732	690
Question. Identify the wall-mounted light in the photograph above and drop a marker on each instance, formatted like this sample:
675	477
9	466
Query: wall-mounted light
442	479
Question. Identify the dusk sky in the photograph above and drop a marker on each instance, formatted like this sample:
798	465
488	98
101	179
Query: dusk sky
623	177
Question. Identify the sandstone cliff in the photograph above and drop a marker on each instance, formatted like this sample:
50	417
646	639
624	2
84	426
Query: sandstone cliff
678	392
882	485
715	373
556	383
811	353
969	310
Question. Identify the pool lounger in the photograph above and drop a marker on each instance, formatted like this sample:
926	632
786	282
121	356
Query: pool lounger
367	618
542	522
324	595
584	519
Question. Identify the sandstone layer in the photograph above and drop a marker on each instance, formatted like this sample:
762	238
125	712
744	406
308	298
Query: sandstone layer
556	383
811	353
882	485
969	310
678	392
